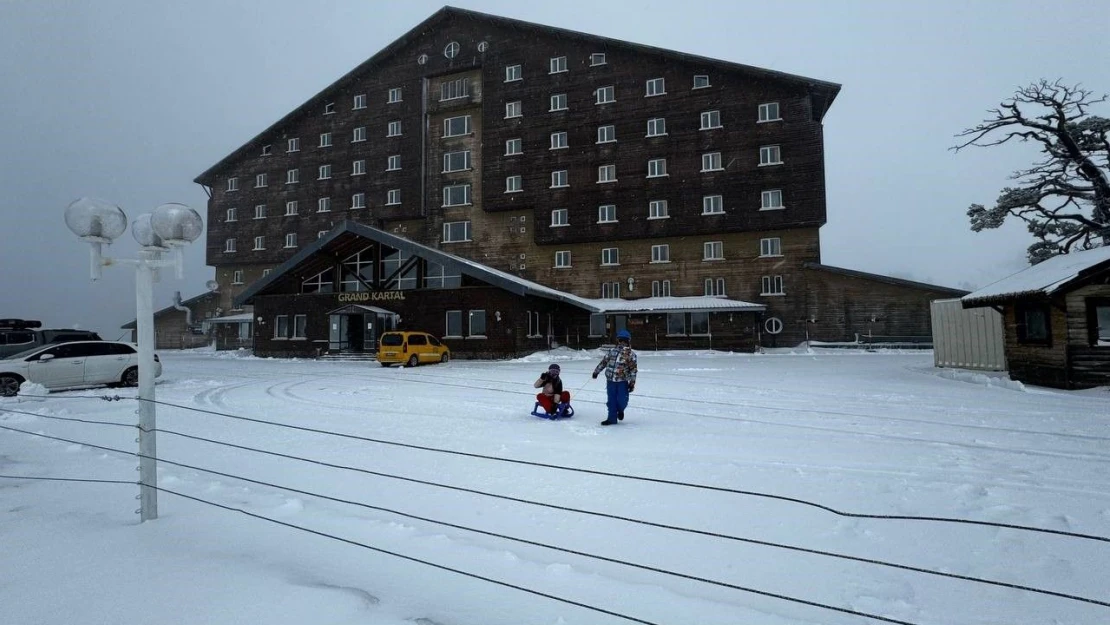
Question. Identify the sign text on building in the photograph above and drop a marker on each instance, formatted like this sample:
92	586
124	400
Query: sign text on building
372	296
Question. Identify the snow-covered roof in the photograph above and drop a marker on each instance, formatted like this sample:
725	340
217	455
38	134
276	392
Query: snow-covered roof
232	318
674	304
1042	279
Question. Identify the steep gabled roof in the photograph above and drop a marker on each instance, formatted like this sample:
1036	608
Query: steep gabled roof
874	277
826	90
1043	279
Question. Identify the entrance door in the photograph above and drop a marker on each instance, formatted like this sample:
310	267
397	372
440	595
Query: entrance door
620	322
338	333
370	332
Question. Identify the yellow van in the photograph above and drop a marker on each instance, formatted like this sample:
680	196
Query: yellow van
411	348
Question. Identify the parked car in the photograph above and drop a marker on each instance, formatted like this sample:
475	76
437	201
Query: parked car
20	335
411	348
73	365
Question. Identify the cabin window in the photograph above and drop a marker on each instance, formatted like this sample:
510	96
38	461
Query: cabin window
1098	321
1034	324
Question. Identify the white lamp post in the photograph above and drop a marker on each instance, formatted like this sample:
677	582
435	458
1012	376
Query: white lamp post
168	229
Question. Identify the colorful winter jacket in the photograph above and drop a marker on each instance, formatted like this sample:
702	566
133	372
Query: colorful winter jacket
619	364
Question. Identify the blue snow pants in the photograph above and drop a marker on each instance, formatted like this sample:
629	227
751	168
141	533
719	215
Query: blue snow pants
616	398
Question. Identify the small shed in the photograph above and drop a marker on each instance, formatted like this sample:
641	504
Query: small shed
1056	319
970	338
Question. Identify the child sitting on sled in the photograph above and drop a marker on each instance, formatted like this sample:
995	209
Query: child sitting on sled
551	393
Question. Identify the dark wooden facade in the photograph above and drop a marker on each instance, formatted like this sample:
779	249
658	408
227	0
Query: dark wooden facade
171	330
513	232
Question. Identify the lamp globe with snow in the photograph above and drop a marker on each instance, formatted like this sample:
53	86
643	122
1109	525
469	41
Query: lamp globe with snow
165	231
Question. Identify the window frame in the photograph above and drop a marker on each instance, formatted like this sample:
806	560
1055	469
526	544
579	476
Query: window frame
557	65
293	144
449	230
713	251
611	90
659	85
603	207
598	58
659	165
659	209
281	328
712	201
358	200
358	167
707	118
769	195
466	124
1093	335
450	157
393	162
514	183
697	86
560	179
292	208
514	73
761	118
770	247
606	174
560	217
1022	313
393	197
558	102
518	143
611	130
772	286
466	194
656	127
661	253
660	288
560	140
562	259
514	109
610	256
229	245
713	158
393	129
448	316
768	151
395	95
471	316
323	205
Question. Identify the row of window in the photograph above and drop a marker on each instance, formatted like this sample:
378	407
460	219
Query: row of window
558	65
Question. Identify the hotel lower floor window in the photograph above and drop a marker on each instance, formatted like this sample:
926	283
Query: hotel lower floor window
534	323
477	323
688	324
597	325
454	323
281	327
299	324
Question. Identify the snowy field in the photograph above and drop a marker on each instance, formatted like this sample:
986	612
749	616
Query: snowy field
881	434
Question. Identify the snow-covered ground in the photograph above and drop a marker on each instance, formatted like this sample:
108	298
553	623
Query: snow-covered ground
870	433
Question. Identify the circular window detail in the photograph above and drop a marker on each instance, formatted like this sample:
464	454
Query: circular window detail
422	59
452	50
483	46
773	325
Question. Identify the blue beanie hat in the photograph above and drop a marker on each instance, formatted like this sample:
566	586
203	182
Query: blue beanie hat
624	334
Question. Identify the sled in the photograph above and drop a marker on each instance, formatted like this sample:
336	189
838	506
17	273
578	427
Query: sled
563	410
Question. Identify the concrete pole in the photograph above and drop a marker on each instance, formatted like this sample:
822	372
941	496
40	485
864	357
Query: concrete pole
144	323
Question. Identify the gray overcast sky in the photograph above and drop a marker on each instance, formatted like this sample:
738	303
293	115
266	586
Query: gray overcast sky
130	99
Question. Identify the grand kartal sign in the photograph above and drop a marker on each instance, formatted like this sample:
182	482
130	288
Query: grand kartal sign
372	296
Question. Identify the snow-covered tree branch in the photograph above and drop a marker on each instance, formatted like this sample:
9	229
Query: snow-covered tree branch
1064	199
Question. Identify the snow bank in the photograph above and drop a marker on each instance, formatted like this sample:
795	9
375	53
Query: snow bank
961	375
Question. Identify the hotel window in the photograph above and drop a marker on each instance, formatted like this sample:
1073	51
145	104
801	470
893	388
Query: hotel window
259	243
394	95
712	205
610	256
713	250
559	102
281	327
456	161
321	234
358	167
291	208
358	135
770	247
699	323
456	126
597	325
451	50
232	214
293	145
610	290
436	276
769	112
393	162
394	129
260	181
656	126
770	200
657	167
299	322
393	197
260	211
229	245
477	323
772	285
559	179
359	102
325	139
513	109
292	176
329	108
655	86
606	173
560	217
661	253
237	277
456	231
657	209
456	195
597	58
660	288
358	200
710	120
701	81
454	89
514	147
770	155
606	213
267	150
454	324
606	95
557	64
562	259
514	184
323	205
534	324
513	73
714	287
558	140
606	134
291	239
325	172
711	161
233	184
266	272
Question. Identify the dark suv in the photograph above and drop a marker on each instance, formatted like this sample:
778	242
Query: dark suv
20	335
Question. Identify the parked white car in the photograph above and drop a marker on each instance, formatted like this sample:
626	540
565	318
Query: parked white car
73	365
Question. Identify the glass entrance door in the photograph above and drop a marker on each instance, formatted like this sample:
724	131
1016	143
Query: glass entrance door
338	333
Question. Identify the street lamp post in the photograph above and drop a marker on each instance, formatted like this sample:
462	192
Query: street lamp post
167	230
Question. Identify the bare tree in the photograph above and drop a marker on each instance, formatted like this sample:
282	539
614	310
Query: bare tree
1064	198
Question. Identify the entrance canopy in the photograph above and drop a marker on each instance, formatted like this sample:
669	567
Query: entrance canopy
358	309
